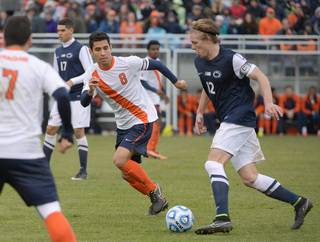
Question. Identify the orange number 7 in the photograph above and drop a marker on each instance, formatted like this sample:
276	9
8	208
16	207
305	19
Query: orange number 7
14	74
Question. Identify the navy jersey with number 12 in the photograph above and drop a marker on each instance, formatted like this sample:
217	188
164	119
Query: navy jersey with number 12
227	87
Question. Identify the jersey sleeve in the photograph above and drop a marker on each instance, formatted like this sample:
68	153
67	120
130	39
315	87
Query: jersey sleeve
241	67
85	57
137	64
52	81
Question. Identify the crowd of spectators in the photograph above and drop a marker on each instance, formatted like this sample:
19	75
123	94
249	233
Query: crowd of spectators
264	17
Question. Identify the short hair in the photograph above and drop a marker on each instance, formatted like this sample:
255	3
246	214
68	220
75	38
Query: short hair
207	28
98	36
17	30
67	22
152	42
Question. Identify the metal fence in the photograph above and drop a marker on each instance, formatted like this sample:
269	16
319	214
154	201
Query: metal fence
297	68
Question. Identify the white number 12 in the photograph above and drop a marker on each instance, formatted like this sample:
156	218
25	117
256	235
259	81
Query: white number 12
211	87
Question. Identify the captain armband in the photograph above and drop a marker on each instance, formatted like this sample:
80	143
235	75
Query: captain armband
245	69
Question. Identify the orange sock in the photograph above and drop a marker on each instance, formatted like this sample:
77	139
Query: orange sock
181	125
138	186
260	123
59	228
157	136
189	125
274	126
135	171
152	140
267	123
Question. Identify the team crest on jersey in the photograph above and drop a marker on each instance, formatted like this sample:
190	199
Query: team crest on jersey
69	55
217	74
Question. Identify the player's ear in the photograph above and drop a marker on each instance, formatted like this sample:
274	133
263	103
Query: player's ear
90	51
30	41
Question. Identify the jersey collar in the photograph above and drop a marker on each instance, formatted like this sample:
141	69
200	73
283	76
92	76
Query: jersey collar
67	44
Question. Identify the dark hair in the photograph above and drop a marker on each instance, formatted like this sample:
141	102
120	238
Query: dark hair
17	30
67	22
152	42
96	37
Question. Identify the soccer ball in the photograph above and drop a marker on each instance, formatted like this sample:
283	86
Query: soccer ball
179	219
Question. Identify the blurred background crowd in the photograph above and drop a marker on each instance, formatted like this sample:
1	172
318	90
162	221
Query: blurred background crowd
264	17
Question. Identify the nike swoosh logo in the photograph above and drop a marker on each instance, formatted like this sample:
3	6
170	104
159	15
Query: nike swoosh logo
128	140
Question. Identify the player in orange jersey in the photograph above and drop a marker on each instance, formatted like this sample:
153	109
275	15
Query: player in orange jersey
117	81
23	165
185	112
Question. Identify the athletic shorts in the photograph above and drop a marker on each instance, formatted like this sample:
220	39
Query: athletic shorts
239	141
159	111
32	179
136	138
80	116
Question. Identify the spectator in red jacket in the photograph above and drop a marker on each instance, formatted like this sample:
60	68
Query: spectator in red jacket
310	104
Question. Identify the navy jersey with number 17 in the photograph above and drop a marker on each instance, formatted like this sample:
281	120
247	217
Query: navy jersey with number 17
227	87
70	66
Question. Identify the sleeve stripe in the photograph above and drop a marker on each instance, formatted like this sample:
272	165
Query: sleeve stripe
145	64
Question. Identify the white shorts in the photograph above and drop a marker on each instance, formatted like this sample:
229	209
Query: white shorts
80	116
239	141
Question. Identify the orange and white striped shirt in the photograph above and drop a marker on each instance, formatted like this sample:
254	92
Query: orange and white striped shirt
121	88
153	78
23	78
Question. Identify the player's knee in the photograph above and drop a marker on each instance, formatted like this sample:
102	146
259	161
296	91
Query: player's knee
249	180
52	130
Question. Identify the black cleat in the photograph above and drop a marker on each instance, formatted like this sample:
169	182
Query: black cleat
218	225
301	210
165	206
159	203
80	176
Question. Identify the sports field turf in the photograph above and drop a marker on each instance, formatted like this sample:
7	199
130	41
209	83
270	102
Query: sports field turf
105	208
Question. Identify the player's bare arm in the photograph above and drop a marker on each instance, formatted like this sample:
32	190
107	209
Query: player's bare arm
203	103
271	109
63	145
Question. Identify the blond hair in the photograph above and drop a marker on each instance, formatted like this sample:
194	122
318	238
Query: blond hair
207	28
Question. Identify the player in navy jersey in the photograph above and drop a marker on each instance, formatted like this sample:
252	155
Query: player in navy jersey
225	75
23	165
71	60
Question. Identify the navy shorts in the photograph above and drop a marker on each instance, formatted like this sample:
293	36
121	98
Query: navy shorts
136	138
32	179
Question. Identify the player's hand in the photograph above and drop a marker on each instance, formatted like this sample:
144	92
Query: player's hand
181	84
201	129
63	145
93	83
166	99
273	111
160	93
69	83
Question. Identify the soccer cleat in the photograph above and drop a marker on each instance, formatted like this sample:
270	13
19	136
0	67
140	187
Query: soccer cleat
165	206
80	176
301	210
260	134
218	225
157	200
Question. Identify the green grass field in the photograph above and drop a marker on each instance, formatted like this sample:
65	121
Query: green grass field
106	208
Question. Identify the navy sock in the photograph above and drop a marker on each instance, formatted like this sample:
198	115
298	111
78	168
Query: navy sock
83	153
83	160
48	145
285	195
273	188
220	193
220	187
